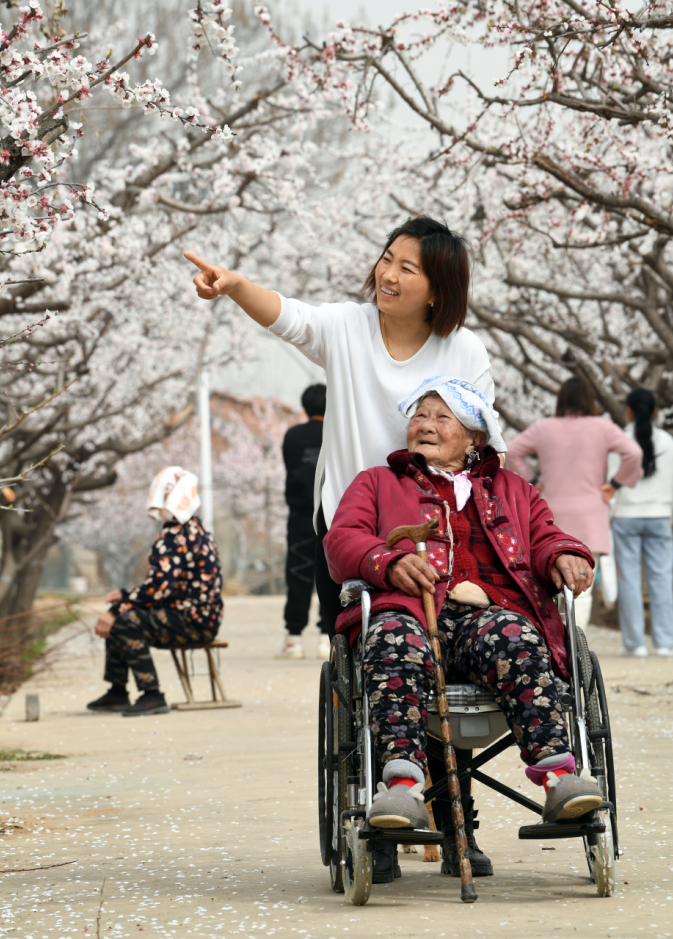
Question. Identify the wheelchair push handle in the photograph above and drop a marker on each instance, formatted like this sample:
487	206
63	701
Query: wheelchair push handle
420	534
569	600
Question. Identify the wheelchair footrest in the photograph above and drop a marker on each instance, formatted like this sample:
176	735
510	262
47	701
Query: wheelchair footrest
401	835
544	830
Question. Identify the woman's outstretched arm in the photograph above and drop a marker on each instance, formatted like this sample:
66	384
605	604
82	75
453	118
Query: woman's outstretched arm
261	305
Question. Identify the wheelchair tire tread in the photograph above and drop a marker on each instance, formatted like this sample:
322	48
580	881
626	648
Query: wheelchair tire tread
593	711
601	857
325	778
343	733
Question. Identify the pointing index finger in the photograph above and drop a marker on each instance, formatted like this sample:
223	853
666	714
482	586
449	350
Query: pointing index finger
201	264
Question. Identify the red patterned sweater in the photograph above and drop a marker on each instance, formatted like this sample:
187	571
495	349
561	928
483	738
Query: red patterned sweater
474	557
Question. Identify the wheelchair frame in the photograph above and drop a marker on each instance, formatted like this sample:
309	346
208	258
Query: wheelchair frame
346	771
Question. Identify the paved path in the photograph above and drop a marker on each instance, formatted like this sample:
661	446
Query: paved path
204	824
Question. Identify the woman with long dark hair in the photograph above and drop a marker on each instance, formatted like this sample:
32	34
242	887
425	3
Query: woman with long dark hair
641	528
374	354
572	450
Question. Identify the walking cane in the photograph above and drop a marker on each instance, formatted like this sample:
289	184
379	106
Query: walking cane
419	535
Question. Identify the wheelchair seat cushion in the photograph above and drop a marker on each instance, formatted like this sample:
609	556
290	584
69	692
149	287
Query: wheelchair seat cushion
466	695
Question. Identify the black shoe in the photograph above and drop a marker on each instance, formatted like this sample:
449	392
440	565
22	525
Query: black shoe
114	699
151	702
480	864
385	865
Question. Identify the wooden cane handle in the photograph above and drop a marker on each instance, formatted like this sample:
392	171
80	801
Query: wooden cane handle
415	533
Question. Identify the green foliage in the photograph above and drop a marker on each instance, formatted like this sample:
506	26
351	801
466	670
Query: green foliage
24	647
14	756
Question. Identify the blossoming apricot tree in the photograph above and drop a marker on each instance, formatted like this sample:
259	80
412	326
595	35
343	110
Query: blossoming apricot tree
104	336
560	171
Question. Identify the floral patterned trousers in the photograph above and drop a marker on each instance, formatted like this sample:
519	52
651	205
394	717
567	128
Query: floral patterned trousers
495	648
128	645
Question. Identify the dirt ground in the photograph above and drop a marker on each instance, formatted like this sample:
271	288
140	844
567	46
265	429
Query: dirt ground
205	823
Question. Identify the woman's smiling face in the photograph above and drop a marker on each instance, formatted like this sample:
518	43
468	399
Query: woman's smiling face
402	288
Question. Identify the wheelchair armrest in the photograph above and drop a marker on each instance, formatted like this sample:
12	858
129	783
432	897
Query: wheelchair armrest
351	591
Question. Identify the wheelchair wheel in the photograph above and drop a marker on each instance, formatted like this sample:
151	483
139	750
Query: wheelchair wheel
600	850
325	763
341	754
358	867
601	859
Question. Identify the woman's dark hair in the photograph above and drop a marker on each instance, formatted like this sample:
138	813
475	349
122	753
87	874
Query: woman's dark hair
446	262
314	400
643	404
576	399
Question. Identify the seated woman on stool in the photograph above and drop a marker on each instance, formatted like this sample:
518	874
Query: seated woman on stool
180	601
495	564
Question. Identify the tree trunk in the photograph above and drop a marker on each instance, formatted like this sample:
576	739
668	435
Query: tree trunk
27	583
26	539
50	129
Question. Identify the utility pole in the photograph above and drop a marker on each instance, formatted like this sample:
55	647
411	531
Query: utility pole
205	451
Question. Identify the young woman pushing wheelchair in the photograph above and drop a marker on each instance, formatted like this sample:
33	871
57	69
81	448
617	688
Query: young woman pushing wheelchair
373	353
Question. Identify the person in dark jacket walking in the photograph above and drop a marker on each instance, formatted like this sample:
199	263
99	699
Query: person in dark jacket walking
179	602
301	448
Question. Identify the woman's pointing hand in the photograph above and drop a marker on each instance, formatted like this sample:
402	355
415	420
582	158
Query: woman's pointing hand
212	281
261	305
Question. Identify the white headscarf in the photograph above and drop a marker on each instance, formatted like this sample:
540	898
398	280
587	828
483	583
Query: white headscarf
175	490
467	403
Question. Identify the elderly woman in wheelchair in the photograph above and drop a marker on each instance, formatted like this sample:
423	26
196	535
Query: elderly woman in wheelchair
493	567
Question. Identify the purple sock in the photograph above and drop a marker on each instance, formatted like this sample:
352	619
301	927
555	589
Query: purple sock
537	773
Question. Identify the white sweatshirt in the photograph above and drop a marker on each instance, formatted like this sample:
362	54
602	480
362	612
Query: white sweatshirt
652	496
364	383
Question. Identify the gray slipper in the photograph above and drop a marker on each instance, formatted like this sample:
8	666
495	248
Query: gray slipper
570	797
399	807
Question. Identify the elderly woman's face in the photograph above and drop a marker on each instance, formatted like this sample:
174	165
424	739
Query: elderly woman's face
435	432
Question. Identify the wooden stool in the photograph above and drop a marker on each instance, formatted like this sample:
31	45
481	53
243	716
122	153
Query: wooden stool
215	682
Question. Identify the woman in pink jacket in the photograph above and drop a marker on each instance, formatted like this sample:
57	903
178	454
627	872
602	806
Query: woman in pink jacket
572	450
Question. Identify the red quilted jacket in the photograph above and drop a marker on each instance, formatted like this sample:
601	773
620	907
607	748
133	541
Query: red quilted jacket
518	523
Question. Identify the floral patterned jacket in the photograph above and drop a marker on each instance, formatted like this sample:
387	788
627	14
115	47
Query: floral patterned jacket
517	521
184	574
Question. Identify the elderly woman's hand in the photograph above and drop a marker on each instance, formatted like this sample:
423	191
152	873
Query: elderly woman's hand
104	625
575	571
410	574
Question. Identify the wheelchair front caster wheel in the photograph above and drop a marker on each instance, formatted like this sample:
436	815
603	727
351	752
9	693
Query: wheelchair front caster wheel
601	858
356	864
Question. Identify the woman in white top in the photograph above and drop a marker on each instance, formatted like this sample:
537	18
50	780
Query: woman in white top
641	528
374	354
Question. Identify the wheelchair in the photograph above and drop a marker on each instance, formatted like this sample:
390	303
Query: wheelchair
346	769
